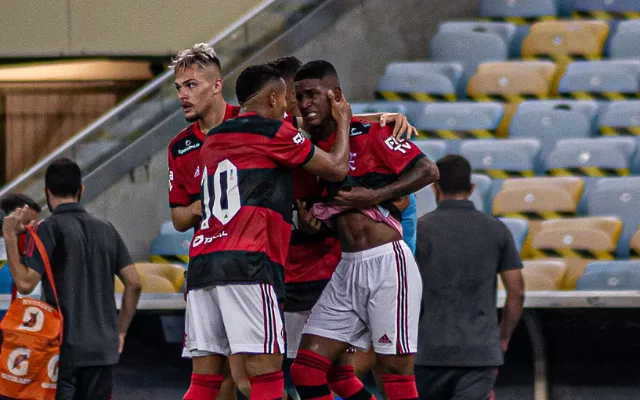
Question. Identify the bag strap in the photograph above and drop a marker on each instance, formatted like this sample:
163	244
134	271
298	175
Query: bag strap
47	268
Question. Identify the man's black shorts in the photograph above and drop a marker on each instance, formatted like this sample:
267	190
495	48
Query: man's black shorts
85	383
449	383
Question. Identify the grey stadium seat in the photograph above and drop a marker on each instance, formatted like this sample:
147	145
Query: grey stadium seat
437	79
434	149
426	199
501	159
620	118
624	44
598	77
614	6
610	275
519	229
379	106
619	197
550	121
505	30
524	9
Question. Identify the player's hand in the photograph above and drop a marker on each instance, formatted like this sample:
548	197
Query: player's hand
356	197
402	203
402	129
14	223
306	221
504	345
340	110
196	208
121	345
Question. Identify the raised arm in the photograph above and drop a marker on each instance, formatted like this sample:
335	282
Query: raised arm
186	217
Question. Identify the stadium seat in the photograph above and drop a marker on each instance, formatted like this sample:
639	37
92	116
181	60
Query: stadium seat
601	80
537	199
606	9
598	157
619	197
542	275
459	120
624	43
171	272
564	40
5	278
634	245
549	121
469	48
519	229
419	81
512	81
170	246
610	275
577	241
501	159
380	106
426	199
119	287
505	30
620	118
434	149
150	284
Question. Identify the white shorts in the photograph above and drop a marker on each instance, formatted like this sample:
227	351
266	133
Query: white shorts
233	319
373	296
293	325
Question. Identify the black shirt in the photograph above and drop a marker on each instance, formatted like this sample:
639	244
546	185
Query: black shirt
460	251
85	254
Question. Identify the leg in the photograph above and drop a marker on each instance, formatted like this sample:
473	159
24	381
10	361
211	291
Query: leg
294	324
395	334
474	384
94	383
239	375
67	381
434	383
256	333
205	343
342	375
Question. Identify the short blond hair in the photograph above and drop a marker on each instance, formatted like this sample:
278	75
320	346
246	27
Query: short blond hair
201	54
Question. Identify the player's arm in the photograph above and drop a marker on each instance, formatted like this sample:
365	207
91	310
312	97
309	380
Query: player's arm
25	277
186	217
184	213
334	165
510	270
423	173
402	129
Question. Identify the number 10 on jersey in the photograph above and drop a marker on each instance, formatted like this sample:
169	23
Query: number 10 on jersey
221	194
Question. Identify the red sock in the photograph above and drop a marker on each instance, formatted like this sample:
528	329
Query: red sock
344	382
204	387
400	387
309	374
267	386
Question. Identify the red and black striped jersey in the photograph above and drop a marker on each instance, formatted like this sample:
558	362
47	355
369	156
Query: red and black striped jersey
246	194
184	156
312	259
376	159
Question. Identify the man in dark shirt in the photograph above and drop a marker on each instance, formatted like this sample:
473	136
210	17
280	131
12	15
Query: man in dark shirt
459	252
86	253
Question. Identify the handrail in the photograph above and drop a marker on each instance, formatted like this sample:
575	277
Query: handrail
134	98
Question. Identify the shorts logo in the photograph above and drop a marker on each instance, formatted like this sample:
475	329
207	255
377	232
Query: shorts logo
385	339
18	361
32	320
52	368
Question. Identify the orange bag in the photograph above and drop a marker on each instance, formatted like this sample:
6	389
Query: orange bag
32	335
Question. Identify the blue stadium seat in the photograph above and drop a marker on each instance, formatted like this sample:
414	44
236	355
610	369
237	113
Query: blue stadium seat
617	8
565	8
518	228
624	43
426	199
505	30
501	159
468	47
601	80
406	108
434	149
170	245
620	118
549	121
455	121
419	81
610	275
618	197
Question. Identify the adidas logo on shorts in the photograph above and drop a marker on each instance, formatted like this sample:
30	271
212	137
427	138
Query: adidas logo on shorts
384	339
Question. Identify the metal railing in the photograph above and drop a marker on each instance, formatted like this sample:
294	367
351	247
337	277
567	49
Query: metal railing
155	105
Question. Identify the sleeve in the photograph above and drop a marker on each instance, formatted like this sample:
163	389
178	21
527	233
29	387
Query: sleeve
123	258
398	156
31	257
509	256
178	195
289	147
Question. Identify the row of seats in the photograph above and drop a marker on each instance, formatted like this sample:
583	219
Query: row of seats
158	278
510	81
545	9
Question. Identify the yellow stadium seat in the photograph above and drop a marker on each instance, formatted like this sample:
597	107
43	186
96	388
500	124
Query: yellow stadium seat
577	241
512	81
562	39
156	284
635	245
542	275
171	272
119	286
537	199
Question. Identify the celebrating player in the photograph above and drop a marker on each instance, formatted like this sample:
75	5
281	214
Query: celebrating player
374	295
241	245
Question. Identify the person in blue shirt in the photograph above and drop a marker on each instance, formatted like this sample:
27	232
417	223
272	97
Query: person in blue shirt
409	222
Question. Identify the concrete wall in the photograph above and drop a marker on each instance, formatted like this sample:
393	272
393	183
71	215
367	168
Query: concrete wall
113	27
360	44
